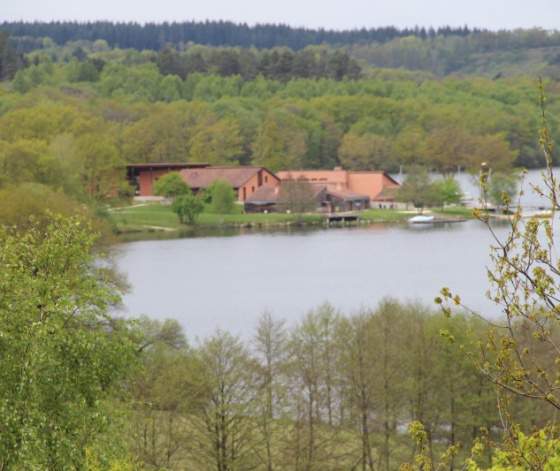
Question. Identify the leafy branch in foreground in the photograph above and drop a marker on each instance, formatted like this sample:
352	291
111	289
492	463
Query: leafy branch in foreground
521	356
60	351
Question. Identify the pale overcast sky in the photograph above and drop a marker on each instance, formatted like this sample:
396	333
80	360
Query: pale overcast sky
338	14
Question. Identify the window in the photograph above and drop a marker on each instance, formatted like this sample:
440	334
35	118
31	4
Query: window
266	178
252	189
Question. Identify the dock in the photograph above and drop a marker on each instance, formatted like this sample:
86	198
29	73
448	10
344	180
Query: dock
342	218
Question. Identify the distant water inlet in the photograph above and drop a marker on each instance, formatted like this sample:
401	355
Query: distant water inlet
470	187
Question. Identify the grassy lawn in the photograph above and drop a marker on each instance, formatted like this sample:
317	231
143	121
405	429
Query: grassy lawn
385	215
455	211
151	215
158	217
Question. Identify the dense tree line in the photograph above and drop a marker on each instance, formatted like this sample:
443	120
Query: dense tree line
276	64
440	51
213	33
102	108
10	60
332	392
498	54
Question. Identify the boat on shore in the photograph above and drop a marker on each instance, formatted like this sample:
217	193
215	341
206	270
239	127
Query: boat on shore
422	219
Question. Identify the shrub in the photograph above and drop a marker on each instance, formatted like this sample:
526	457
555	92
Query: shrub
222	197
187	207
171	185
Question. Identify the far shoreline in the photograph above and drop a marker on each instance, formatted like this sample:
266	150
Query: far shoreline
158	222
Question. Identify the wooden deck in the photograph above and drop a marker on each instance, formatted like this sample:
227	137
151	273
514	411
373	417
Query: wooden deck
342	218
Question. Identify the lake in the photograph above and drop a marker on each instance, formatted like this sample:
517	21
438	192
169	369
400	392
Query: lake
227	282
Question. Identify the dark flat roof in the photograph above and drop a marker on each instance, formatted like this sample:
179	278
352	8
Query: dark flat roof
168	165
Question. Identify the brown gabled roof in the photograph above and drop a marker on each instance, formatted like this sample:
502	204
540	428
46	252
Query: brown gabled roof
264	195
204	177
269	195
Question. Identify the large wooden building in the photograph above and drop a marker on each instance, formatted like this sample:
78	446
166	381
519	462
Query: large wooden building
244	180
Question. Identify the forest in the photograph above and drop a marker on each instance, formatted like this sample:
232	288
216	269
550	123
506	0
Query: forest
212	33
441	51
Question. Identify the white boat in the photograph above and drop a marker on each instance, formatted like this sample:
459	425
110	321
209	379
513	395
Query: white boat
421	219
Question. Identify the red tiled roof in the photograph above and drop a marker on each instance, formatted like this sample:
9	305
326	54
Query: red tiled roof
204	177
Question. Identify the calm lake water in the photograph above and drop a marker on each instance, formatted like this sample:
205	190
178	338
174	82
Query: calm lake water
227	282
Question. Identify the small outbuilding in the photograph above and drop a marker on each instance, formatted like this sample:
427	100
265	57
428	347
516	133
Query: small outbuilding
344	200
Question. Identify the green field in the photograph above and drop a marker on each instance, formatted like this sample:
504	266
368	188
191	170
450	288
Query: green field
157	217
385	215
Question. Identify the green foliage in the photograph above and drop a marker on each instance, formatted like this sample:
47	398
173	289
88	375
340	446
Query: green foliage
379	122
82	71
446	191
366	152
416	188
171	185
540	450
61	351
440	51
502	188
222	197
9	60
326	393
187	207
520	351
32	204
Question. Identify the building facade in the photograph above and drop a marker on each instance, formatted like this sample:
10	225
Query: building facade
142	176
377	187
244	180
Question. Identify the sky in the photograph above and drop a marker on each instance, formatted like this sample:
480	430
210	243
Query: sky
331	14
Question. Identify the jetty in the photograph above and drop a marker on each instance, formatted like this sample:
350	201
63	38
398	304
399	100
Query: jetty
342	218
